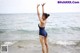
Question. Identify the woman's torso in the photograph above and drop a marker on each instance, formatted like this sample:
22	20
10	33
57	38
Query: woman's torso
42	24
42	29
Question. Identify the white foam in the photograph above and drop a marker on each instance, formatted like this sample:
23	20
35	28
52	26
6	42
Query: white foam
63	42
66	42
9	43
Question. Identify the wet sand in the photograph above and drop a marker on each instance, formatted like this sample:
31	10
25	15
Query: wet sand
32	46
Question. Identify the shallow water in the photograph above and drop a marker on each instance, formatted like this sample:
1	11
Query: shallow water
60	26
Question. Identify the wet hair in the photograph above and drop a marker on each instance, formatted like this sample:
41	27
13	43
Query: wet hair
46	15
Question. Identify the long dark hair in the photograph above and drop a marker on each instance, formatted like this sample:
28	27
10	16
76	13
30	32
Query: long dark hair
46	15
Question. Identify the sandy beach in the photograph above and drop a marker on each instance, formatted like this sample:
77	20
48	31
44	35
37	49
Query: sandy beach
33	46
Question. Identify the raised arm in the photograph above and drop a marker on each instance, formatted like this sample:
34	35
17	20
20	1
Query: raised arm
43	8
38	13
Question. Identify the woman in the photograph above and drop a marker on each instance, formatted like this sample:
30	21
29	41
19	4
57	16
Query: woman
42	32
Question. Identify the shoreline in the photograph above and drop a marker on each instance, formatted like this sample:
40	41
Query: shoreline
34	46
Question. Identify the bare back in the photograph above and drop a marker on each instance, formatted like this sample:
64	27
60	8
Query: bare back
42	24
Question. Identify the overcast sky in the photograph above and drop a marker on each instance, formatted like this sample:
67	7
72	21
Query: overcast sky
29	6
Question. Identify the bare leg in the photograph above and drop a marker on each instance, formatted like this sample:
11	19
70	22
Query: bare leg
42	43
46	44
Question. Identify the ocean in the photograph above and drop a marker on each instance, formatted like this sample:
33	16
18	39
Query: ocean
60	26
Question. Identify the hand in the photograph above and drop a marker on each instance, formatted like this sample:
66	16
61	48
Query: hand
38	5
43	4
